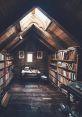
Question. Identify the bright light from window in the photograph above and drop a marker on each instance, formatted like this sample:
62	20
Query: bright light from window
35	17
24	23
29	57
42	17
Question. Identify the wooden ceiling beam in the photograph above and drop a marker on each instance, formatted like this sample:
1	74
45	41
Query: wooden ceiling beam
16	45
60	43
14	39
23	34
7	42
11	31
12	43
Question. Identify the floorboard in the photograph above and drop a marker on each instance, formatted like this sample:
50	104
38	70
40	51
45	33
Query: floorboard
33	99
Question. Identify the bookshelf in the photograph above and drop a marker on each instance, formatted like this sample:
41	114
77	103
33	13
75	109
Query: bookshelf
65	63
5	71
52	68
1	72
8	69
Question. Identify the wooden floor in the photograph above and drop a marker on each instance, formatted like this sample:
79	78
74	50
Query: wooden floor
33	99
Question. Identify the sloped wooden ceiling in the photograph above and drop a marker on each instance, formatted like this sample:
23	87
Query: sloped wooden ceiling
32	34
67	12
50	30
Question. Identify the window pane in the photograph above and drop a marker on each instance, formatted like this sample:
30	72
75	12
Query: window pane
30	57
42	17
37	18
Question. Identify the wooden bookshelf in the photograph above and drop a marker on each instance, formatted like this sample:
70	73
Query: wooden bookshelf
8	69
73	61
65	63
66	69
5	71
1	72
66	77
52	64
53	71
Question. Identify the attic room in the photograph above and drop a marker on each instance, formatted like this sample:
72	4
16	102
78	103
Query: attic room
40	58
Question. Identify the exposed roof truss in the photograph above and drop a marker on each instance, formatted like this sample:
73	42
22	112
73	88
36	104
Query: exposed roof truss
50	30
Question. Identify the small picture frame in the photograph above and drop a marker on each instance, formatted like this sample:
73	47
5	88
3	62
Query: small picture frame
21	54
39	54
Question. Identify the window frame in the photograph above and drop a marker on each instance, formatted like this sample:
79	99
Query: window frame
39	54
21	54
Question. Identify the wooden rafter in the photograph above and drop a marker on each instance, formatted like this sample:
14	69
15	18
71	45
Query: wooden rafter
61	33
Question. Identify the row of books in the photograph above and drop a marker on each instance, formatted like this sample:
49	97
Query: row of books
54	80
8	63
1	81
8	76
2	65
5	71
1	73
9	58
1	57
69	66
52	73
68	75
66	55
62	80
59	80
53	64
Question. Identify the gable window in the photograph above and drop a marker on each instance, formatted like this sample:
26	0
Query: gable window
29	57
35	17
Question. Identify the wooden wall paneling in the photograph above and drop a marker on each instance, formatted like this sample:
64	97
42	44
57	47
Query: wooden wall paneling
27	46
